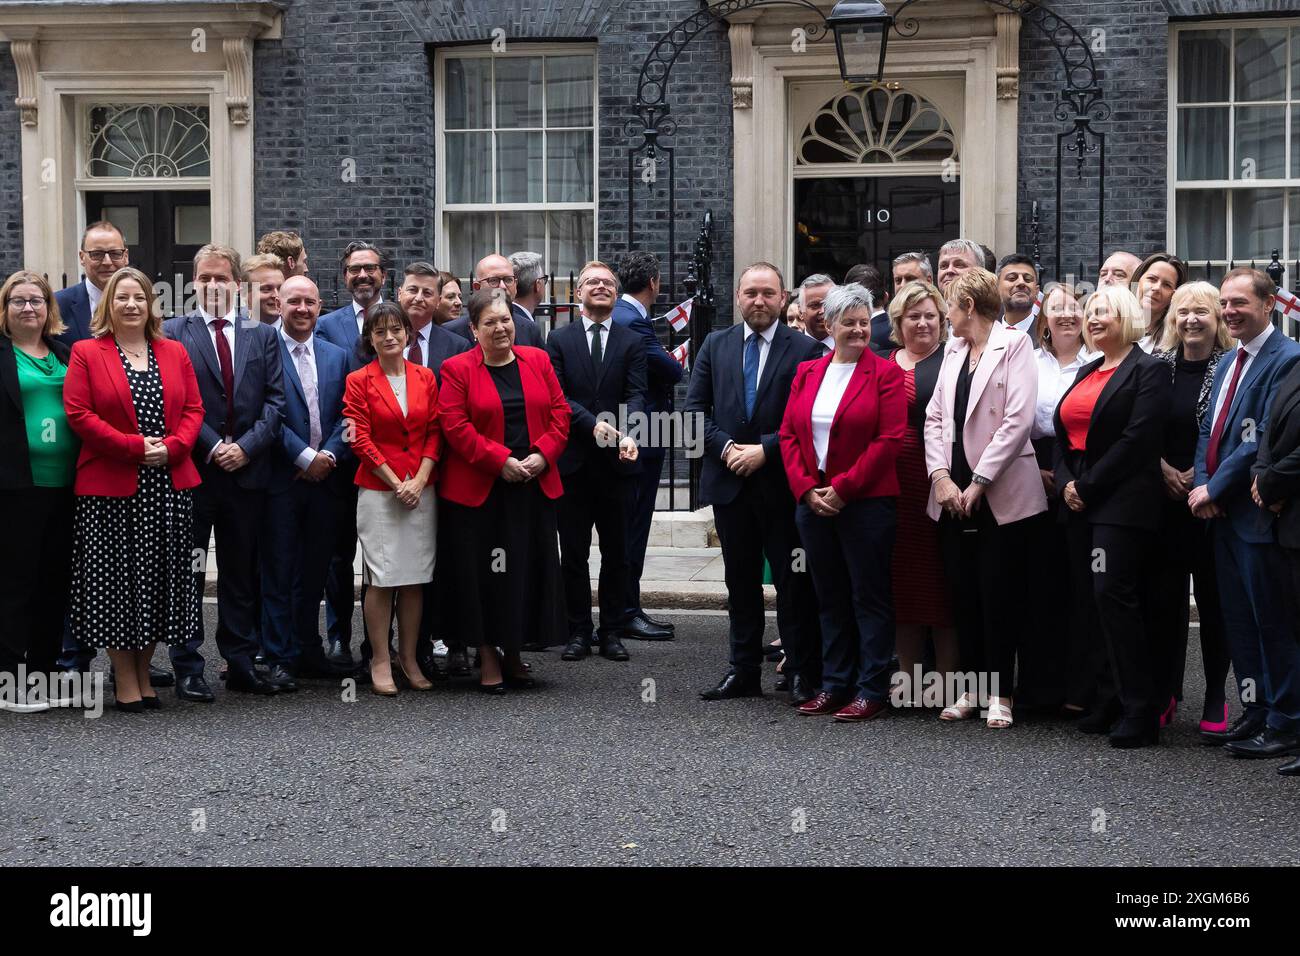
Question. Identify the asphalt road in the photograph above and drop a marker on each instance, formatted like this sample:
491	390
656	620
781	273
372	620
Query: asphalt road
585	771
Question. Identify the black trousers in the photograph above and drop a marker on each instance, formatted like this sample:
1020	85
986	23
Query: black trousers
978	556
1116	561
1054	632
235	516
760	522
641	512
35	576
594	496
296	553
340	599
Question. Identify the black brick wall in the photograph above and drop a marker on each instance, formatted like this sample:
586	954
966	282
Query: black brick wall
11	171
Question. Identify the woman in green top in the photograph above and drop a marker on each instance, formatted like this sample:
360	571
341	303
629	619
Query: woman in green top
36	471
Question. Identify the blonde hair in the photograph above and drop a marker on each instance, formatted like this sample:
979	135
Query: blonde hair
1041	327
597	264
263	260
101	323
1122	304
282	243
1195	293
981	287
53	321
908	297
214	250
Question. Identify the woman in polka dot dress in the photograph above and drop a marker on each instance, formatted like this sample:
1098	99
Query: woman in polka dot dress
132	397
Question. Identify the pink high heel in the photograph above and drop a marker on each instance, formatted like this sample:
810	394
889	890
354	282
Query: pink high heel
1167	717
1216	727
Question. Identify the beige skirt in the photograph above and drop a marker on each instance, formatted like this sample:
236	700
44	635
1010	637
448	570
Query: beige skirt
398	546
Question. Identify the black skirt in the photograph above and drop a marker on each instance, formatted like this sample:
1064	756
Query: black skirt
504	569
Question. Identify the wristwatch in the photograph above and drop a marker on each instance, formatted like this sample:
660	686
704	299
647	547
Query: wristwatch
981	480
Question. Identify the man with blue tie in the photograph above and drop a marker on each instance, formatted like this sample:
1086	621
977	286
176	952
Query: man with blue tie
601	368
1250	564
739	386
301	500
363	275
638	274
237	363
497	272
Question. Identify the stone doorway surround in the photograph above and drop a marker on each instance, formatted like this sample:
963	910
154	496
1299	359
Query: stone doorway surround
69	54
965	57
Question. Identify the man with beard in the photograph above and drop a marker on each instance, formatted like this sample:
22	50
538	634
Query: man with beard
496	271
739	386
1017	287
812	299
602	369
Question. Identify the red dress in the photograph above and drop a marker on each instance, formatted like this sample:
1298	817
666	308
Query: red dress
920	595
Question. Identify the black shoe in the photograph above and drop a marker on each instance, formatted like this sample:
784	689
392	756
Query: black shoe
1291	769
129	707
496	690
259	660
640	629
194	688
577	649
801	690
160	678
1267	743
522	682
248	682
1101	718
773	652
1131	732
281	679
612	649
321	668
151	703
666	625
339	654
733	686
782	683
458	662
1247	725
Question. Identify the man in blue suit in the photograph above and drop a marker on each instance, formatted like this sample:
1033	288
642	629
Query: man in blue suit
302	506
241	381
362	265
103	251
601	368
496	271
739	386
1251	567
638	274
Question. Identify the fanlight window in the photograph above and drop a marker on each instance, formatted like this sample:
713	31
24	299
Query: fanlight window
149	141
875	124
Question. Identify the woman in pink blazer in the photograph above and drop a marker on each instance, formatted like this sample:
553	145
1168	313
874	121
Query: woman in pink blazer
984	484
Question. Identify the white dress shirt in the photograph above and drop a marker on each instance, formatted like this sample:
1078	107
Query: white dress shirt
826	404
307	455
95	293
588	325
829	342
423	336
1252	349
361	311
1053	381
636	304
764	346
231	318
1025	325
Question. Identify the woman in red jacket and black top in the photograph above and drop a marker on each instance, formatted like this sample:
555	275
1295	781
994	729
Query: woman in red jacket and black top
504	422
1109	438
840	439
132	397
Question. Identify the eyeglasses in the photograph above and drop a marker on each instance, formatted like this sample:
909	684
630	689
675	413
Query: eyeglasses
607	283
497	281
97	255
357	270
21	304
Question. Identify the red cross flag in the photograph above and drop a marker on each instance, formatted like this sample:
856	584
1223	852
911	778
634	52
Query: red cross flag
1038	305
680	316
682	353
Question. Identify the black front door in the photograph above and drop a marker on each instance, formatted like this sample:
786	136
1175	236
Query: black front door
842	222
163	228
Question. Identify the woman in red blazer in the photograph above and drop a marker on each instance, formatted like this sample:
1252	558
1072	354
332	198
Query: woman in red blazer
840	438
132	397
391	406
505	422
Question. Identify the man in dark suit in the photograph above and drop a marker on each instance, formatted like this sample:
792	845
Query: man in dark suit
1018	287
739	386
602	369
237	362
362	265
530	285
496	271
1252	571
870	278
638	274
301	500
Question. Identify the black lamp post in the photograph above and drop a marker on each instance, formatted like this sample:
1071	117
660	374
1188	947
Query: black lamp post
861	29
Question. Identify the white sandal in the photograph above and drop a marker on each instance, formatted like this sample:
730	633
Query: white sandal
965	706
1000	713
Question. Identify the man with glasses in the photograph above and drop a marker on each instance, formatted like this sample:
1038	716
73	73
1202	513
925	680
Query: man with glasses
103	252
602	369
496	271
362	265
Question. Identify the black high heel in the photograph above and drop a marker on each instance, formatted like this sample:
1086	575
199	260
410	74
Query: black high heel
129	706
522	682
151	703
496	690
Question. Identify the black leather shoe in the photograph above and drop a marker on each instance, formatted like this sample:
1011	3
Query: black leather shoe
666	625
733	686
1130	733
129	707
782	683
248	682
1267	743
801	690
1291	769
1101	718
194	688
576	649
281	679
1247	726
339	654
640	629
773	652
160	678
151	703
319	669
612	649
458	662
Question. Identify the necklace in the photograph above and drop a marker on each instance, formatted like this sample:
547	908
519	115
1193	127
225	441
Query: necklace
135	355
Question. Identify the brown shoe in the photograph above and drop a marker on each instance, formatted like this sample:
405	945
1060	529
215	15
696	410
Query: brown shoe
383	687
418	682
822	704
862	709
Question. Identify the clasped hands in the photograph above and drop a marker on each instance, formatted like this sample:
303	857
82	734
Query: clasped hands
319	469
229	456
958	503
515	470
408	492
155	452
824	501
744	460
1276	508
606	435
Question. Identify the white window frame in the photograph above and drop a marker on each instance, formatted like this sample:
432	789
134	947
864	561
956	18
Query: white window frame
442	252
1229	186
87	183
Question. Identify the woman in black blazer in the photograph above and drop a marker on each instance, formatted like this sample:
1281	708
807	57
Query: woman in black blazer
36	472
1109	430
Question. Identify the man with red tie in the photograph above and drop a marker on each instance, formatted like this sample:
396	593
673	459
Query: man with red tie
237	362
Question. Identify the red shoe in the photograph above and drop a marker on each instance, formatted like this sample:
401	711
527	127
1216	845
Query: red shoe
862	709
1219	727
822	704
